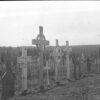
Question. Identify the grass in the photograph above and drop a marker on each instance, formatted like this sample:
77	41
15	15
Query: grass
79	90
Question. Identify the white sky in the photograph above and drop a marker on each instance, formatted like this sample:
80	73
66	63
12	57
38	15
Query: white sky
76	21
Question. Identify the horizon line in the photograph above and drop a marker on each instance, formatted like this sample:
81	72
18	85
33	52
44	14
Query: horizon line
52	45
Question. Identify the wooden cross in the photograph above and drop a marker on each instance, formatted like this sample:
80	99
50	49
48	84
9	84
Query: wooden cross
67	50
23	60
40	42
47	68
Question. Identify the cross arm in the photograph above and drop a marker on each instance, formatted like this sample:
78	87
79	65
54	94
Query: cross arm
40	42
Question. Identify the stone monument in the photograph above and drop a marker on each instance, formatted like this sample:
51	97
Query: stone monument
57	54
40	42
67	50
23	60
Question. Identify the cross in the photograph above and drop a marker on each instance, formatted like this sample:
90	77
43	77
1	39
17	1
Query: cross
23	60
67	50
40	42
47	68
57	54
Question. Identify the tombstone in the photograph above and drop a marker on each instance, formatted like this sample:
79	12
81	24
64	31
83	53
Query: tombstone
40	42
47	68
77	69
67	50
57	54
23	61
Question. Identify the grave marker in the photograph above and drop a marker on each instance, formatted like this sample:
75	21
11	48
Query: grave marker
23	60
40	42
67	50
57	53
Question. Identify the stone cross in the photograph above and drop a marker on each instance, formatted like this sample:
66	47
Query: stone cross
40	42
47	68
67	50
23	60
82	58
57	53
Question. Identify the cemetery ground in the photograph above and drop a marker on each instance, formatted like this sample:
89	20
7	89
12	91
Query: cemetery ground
87	88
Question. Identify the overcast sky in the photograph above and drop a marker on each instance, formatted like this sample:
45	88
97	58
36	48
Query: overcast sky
75	21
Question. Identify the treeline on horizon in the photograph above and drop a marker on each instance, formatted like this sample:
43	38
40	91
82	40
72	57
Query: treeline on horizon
14	52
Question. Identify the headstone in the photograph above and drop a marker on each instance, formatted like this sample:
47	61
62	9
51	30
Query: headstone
57	53
68	50
23	60
47	68
40	42
76	67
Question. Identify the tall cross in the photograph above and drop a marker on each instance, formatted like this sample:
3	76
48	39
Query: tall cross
40	42
57	54
67	50
23	60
